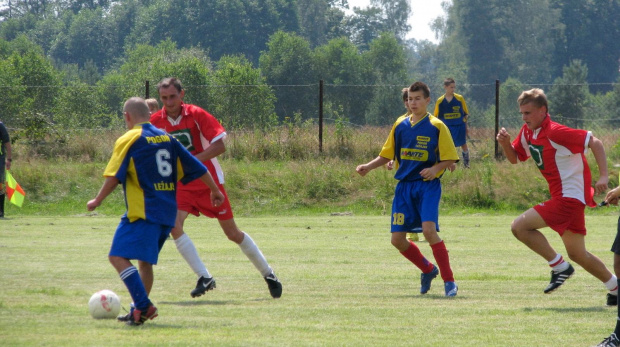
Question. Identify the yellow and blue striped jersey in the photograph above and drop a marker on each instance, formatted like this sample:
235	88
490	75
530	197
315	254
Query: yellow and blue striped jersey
148	162
416	146
451	112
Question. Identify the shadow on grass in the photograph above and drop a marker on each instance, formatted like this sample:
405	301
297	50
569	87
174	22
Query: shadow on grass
566	309
211	302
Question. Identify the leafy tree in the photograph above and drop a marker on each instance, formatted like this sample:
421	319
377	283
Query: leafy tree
288	62
388	60
240	98
568	96
341	66
320	20
589	28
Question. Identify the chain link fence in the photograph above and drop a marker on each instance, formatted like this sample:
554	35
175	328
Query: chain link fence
298	121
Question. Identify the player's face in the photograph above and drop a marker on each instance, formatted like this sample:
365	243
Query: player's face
450	88
532	115
417	102
172	100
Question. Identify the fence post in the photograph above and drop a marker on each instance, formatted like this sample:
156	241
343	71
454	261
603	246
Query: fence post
496	119
146	89
321	116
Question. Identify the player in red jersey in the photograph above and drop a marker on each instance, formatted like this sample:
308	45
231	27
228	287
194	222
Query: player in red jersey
204	137
559	153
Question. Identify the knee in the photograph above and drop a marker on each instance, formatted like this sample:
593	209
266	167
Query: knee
516	231
235	235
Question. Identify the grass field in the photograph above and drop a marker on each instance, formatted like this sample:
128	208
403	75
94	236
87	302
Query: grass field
344	285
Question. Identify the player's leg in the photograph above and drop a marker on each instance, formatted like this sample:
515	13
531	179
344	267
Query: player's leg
440	252
525	229
186	247
465	152
406	217
576	250
144	309
251	250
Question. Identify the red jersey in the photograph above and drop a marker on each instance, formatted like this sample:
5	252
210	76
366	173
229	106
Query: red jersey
559	153
196	129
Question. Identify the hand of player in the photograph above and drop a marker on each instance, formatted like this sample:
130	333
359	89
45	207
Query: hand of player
601	185
612	196
452	167
390	165
362	170
217	198
92	205
430	173
503	137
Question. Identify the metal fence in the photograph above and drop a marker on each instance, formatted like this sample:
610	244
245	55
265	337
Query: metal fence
329	116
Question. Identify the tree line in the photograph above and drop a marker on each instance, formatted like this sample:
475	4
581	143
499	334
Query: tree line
74	62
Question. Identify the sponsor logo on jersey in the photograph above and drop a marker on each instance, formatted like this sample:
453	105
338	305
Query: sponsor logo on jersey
537	156
452	115
185	137
413	154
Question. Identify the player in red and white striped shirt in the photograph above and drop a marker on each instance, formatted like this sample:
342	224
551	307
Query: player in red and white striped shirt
559	153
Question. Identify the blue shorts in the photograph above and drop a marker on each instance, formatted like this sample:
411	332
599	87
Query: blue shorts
459	134
140	240
415	202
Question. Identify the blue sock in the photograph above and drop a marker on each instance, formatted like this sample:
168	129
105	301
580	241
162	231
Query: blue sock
134	284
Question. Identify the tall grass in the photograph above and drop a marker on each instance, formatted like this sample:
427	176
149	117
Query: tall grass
283	170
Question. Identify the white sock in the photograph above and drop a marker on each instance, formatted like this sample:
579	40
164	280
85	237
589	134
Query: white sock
558	264
186	247
612	285
249	248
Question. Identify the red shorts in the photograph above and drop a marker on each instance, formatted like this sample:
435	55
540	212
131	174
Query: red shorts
199	201
563	214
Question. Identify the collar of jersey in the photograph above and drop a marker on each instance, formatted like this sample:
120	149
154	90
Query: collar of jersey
175	121
421	119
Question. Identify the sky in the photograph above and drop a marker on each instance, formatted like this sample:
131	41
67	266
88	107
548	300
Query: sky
424	11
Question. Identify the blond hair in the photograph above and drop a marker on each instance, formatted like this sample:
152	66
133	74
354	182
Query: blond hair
535	96
152	104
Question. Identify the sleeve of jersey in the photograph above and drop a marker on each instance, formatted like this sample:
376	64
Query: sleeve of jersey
462	100
210	128
576	140
447	151
388	150
188	167
117	166
436	112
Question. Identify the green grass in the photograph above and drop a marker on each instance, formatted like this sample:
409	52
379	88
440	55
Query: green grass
344	284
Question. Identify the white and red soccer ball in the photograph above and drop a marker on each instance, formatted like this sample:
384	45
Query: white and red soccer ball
104	304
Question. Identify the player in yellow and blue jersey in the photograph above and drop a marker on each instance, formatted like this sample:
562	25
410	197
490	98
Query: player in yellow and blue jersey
148	163
423	149
451	109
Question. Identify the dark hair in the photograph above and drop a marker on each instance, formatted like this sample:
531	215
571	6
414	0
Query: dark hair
417	86
448	81
170	81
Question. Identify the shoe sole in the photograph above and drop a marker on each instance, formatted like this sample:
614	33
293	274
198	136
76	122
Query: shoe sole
201	293
556	288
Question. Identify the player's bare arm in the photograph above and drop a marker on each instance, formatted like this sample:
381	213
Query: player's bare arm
503	138
371	165
216	148
598	150
217	198
431	172
108	187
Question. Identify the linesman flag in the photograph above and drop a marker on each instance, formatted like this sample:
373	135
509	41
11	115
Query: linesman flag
14	191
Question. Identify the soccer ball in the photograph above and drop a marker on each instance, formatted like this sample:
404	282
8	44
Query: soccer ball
104	304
